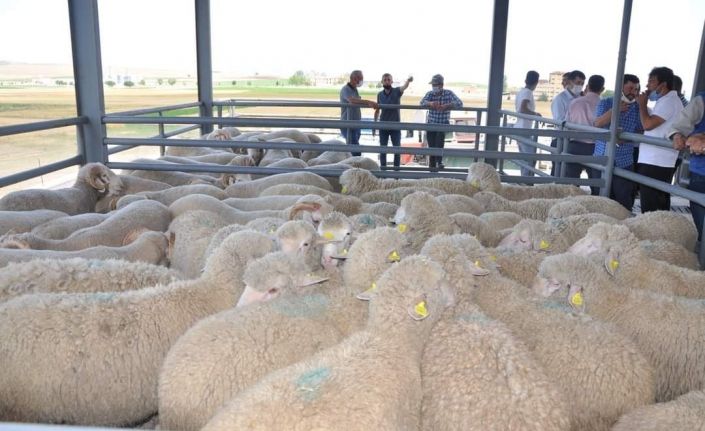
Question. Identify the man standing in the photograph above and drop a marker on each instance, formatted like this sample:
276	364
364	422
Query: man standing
390	96
349	94
657	162
622	189
525	104
439	102
572	86
688	131
582	111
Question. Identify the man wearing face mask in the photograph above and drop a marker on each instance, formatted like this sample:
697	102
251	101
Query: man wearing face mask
390	96
573	85
349	94
439	102
657	162
622	190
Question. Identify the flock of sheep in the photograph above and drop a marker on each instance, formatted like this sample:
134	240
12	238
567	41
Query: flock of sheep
293	301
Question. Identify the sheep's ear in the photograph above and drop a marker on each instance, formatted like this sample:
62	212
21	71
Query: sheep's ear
311	279
11	240
343	255
227	179
418	309
612	260
171	238
98	178
575	298
368	294
477	269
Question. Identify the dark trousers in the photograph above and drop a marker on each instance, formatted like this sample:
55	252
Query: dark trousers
384	136
697	184
352	137
435	140
652	199
554	144
573	170
623	190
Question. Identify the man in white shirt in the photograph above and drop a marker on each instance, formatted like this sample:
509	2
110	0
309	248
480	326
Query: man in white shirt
525	104
654	161
572	87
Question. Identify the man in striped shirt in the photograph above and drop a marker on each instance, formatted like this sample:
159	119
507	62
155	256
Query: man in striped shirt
439	102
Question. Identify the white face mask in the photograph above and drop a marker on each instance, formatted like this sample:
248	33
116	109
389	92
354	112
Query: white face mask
577	89
625	99
361	83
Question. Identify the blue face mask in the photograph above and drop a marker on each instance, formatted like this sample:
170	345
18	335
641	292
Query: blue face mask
654	96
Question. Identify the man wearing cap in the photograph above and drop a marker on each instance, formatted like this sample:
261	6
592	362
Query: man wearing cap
439	102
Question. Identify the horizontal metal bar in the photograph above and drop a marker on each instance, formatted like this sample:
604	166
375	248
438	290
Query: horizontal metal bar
323	104
584	128
42	170
155	110
660	185
530	117
121	148
636	137
527	141
41	125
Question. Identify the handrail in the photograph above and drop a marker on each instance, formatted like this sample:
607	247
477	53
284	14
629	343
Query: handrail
323	104
156	110
32	173
41	125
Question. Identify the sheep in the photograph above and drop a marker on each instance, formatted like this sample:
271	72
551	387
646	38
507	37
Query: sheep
307	155
333	180
474	372
71	380
227	352
486	178
262	202
173	178
272	155
168	197
664	225
565	208
499	220
126	185
149	247
459	204
294	189
228	178
520	266
395	195
686	412
251	189
630	266
350	205
92	181
25	221
289	135
667	329
79	275
222	158
299	237
330	157
336	231
538	209
375	370
192	233
420	217
224	134
61	227
286	163
600	371
358	181
113	231
312	207
365	222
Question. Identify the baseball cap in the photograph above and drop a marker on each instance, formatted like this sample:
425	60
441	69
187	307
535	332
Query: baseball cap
437	79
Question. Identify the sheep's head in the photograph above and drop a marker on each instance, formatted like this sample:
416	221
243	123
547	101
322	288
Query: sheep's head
272	275
566	276
415	289
528	235
484	177
607	241
356	181
483	261
419	209
97	176
228	179
14	241
312	208
371	254
335	233
564	209
492	201
219	135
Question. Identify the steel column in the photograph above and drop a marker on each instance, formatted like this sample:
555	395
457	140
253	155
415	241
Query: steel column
204	60
494	91
699	79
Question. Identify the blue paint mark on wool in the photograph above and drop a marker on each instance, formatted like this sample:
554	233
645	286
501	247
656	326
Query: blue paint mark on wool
302	306
557	305
472	317
103	296
309	383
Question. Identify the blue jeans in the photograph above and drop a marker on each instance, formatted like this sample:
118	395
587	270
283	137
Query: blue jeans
697	184
384	136
352	137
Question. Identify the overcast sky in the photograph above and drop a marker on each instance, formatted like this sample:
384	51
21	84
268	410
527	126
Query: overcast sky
400	37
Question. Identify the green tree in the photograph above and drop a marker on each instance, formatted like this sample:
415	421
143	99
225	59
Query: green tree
171	81
110	83
160	81
543	97
142	82
277	84
249	83
234	83
128	84
60	82
299	78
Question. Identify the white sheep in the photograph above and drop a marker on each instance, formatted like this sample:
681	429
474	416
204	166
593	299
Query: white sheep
113	231
101	352
25	221
169	196
250	189
375	371
92	181
667	329
500	220
298	237
307	155
230	351
294	189
262	202
486	178
460	204
336	233
395	195
126	185
192	232
79	275
61	227
686	412
358	181
664	225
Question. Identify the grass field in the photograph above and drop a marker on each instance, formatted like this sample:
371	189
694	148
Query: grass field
30	104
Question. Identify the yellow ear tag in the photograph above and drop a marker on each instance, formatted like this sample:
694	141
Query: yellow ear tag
328	235
271	230
401	227
394	256
614	264
475	183
345	251
493	258
365	296
344	190
420	309
543	245
577	299
477	264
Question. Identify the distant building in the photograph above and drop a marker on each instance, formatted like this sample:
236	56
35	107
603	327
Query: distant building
551	86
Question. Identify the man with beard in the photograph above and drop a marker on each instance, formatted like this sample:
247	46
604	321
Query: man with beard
390	96
622	189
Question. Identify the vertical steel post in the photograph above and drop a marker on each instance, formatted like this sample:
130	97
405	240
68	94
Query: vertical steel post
204	60
618	82
494	91
699	79
88	79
